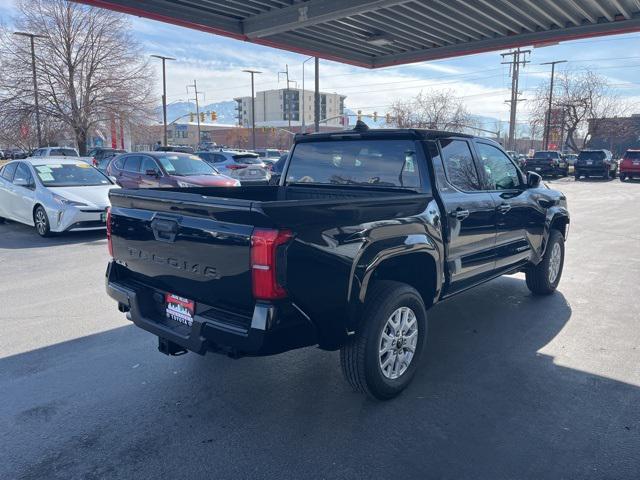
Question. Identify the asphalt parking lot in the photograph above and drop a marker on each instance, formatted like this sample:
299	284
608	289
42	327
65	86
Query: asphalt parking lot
511	387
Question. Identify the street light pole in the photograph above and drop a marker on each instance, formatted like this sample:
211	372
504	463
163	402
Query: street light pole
253	108
547	126
303	95
164	95
32	37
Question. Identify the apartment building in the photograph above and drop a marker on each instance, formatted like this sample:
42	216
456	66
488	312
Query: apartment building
279	107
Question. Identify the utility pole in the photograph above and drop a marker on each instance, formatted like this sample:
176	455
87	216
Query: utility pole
32	37
286	73
547	126
519	57
196	93
164	95
304	113
316	98
253	108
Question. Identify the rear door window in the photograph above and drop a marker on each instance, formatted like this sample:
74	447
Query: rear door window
132	163
459	166
383	163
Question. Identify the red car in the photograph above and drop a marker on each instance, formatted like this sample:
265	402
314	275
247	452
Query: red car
165	169
630	165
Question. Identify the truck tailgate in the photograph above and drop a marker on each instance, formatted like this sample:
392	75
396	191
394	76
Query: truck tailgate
189	248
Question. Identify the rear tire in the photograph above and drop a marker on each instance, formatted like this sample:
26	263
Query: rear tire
382	357
543	278
623	177
41	221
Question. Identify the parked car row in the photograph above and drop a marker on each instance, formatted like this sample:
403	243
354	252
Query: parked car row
588	163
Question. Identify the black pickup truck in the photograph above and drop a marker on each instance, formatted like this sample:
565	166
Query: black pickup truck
365	230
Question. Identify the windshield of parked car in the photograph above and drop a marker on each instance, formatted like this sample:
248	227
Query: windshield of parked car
385	163
70	175
545	155
63	152
591	155
185	165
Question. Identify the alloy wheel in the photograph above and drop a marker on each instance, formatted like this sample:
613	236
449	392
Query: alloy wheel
554	262
398	343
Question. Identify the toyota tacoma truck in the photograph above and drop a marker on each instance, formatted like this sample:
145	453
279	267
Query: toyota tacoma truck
363	232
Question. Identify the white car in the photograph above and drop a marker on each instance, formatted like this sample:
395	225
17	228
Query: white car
54	194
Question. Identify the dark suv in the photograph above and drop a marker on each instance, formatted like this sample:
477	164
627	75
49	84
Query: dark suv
595	163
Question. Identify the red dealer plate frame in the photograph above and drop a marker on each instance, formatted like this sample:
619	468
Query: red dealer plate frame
179	309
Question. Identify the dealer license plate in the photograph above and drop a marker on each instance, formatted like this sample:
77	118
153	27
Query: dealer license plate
538	169
179	309
636	163
589	162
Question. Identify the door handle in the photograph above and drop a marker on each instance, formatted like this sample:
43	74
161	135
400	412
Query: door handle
504	208
459	214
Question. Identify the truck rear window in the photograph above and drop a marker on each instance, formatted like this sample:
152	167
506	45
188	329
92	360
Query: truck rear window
384	163
591	155
546	155
633	155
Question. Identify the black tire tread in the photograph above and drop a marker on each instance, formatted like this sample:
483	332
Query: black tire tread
352	354
536	276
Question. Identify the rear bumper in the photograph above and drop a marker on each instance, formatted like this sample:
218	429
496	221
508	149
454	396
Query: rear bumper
545	169
269	330
592	169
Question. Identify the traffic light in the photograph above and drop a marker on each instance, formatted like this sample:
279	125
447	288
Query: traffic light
375	116
359	115
202	116
192	117
214	116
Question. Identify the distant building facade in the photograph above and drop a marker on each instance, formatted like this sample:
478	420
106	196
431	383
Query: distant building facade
616	134
277	107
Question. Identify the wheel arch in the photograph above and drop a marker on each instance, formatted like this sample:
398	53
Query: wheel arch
416	263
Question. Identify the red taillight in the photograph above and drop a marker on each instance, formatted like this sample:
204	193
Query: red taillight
109	244
267	284
95	162
236	167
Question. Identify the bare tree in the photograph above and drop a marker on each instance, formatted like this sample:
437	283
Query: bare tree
89	67
437	109
580	96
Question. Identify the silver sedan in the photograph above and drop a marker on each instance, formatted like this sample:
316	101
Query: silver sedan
54	194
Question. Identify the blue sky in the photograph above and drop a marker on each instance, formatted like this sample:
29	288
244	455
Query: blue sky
216	63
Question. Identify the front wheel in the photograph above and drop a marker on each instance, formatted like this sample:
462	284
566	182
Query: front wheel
381	358
543	278
41	221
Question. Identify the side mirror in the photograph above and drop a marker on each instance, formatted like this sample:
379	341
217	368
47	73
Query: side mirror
533	180
151	173
113	179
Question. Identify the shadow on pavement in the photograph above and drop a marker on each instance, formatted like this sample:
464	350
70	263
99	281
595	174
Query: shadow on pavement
486	403
18	236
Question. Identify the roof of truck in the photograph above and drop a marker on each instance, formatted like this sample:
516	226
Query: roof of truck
422	134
